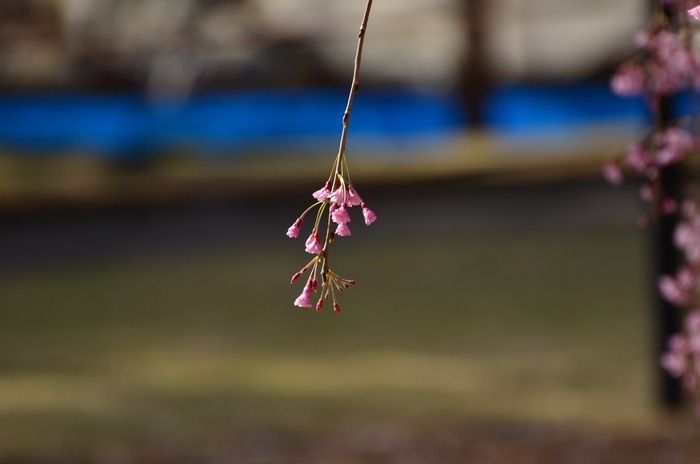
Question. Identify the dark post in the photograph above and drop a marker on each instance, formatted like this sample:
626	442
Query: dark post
667	318
473	81
667	259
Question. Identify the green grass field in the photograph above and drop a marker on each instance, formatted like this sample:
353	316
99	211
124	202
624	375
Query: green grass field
178	351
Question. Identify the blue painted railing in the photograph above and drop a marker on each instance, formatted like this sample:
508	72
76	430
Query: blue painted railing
121	125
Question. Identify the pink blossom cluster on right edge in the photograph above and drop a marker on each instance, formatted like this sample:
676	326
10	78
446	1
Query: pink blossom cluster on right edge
682	358
647	158
662	66
666	63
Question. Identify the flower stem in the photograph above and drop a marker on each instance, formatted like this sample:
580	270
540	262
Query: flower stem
354	86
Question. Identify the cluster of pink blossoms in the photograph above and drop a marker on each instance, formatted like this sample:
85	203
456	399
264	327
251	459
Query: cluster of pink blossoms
680	289
647	158
336	198
683	356
682	359
332	203
664	65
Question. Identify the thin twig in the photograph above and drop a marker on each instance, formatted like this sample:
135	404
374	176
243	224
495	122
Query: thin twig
353	88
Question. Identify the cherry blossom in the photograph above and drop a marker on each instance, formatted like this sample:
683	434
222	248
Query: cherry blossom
313	244
340	215
368	215
612	173
695	12
343	230
293	231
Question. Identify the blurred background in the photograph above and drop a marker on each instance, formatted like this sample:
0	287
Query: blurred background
153	153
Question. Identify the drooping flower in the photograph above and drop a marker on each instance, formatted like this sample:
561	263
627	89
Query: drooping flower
678	138
637	157
304	300
293	231
343	230
682	356
674	363
687	234
612	173
672	291
323	193
368	215
340	215
692	322
313	244
695	13
673	144
353	199
667	206
629	81
338	196
647	192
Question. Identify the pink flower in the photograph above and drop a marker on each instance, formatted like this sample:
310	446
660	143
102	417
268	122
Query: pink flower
673	66
672	291
686	278
668	206
293	231
313	244
690	379
695	12
677	343
675	359
319	304
338	196
674	363
678	139
673	144
692	322
336	308
646	192
304	300
368	214
340	215
629	81
667	156
343	230
353	199
642	39
694	344
323	193
637	157
612	173
683	235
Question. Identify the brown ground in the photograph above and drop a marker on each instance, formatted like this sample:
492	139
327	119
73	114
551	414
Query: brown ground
487	443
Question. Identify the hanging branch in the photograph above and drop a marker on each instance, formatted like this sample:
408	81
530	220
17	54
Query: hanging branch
332	201
664	66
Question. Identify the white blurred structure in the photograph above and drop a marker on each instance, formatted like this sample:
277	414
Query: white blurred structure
560	38
171	44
